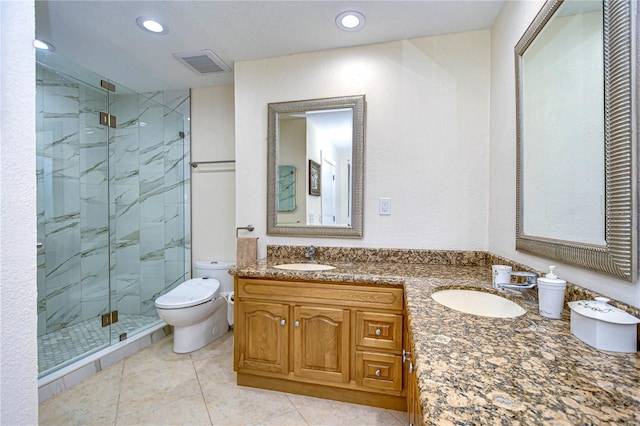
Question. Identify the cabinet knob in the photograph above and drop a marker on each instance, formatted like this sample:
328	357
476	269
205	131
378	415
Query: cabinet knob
406	356
297	323
378	332
283	322
378	372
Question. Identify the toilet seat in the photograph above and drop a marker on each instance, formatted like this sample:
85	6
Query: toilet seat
190	293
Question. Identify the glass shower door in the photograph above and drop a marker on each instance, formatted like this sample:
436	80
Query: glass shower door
73	218
147	163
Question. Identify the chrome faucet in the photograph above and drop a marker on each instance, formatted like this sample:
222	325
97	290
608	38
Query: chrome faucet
310	252
532	281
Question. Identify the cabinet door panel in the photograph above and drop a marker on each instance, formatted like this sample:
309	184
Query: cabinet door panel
263	338
321	342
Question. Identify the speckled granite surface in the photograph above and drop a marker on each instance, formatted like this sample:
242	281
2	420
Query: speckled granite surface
475	370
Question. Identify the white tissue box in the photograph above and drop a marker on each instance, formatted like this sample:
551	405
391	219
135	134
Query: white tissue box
603	326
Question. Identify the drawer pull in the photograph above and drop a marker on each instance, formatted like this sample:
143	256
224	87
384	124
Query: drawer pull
411	368
283	322
378	332
378	372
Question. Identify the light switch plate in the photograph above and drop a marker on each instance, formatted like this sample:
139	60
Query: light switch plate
384	206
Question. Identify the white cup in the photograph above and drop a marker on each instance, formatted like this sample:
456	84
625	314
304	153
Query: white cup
551	299
501	274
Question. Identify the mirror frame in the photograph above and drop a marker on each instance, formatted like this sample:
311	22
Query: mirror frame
357	103
618	256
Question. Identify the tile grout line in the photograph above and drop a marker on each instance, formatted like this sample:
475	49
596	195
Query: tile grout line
115	420
206	406
298	411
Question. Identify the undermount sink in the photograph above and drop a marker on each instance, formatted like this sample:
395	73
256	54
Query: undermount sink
478	303
305	267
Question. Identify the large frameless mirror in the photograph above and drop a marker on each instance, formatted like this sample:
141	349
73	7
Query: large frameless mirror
315	167
575	153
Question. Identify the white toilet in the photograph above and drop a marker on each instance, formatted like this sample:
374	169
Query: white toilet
197	308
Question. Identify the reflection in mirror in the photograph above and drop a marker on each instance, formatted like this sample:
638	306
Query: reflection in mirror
563	177
287	177
324	140
575	187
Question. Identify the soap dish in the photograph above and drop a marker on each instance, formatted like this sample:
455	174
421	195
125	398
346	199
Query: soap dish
603	326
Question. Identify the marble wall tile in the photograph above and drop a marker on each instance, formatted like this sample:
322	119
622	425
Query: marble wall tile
174	273
152	242
128	297
63	307
94	164
151	288
127	211
152	204
62	254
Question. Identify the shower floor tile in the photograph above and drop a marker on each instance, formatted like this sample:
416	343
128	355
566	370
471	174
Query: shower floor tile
61	347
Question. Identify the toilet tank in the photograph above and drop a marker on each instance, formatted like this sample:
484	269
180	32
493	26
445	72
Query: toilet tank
217	269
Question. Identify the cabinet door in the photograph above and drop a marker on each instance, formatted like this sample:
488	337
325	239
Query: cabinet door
262	337
321	343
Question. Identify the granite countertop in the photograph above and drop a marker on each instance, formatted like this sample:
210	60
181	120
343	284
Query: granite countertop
477	370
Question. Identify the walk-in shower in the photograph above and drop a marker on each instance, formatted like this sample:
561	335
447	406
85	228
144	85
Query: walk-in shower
113	208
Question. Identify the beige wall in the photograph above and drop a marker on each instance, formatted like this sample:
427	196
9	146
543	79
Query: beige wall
213	186
512	22
427	136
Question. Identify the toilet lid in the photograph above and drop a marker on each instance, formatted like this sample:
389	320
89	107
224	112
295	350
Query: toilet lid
189	293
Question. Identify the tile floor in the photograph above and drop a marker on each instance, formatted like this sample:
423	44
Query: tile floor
157	386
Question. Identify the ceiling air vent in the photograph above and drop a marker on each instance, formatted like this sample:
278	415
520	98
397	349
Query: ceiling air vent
202	61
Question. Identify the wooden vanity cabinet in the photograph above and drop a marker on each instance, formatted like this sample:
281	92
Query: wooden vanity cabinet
336	341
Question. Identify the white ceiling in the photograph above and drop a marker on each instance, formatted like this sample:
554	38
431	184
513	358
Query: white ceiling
103	36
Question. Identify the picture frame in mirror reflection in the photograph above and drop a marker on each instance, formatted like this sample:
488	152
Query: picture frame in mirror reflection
315	178
287	181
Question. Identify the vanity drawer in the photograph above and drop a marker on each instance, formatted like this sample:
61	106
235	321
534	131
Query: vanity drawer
382	372
379	330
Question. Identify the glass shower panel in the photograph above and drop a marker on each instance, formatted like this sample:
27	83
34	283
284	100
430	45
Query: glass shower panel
147	187
73	219
176	199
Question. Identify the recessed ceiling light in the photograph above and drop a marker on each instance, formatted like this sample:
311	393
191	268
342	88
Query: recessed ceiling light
350	21
151	25
43	45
